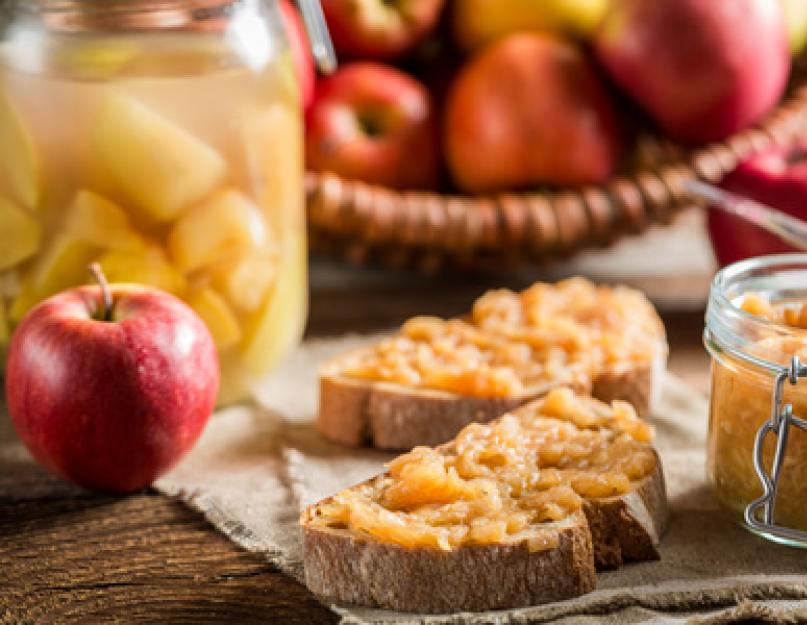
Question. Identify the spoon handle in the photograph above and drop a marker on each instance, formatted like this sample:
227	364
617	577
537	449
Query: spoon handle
791	230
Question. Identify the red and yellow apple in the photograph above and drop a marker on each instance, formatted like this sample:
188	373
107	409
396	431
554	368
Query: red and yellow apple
111	393
528	110
702	69
374	123
379	29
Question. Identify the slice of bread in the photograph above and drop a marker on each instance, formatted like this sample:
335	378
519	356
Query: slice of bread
612	343
516	512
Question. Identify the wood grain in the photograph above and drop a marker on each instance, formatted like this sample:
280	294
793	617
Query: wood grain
69	556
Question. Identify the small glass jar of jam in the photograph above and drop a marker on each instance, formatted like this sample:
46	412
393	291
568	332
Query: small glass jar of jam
756	332
162	139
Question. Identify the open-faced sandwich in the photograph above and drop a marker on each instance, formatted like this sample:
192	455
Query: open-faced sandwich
518	511
435	376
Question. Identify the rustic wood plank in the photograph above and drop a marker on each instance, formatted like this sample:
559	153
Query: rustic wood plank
136	559
70	556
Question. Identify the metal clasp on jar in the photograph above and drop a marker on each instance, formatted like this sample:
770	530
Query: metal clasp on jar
779	424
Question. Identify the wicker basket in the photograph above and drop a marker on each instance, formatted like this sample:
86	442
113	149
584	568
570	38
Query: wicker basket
375	225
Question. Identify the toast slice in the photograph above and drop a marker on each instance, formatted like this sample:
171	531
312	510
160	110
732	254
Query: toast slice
515	512
435	376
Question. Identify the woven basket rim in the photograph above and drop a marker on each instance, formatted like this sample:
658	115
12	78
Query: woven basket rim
370	223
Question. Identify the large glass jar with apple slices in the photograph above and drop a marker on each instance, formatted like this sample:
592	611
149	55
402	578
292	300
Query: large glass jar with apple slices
163	139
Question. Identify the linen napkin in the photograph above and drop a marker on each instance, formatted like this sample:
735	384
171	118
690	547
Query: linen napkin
257	465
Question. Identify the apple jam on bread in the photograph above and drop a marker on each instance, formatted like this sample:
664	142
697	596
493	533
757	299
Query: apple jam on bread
513	512
433	377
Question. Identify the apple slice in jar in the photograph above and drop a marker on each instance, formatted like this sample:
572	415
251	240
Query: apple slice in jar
235	381
19	163
245	281
274	144
97	58
5	323
149	266
98	221
63	264
20	234
227	224
159	166
279	325
24	300
219	318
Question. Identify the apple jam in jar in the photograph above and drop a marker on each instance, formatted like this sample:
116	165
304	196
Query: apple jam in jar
756	332
162	139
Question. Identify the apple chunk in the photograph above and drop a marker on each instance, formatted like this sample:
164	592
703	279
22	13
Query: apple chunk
149	267
20	234
217	315
245	281
159	166
24	300
98	221
228	223
62	265
279	325
5	328
19	162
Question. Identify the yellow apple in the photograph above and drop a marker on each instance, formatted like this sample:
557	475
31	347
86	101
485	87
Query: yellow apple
477	22
149	267
279	325
159	166
96	220
19	163
217	315
795	13
20	234
228	223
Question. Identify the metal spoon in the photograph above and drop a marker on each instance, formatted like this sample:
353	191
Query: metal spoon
321	44
791	230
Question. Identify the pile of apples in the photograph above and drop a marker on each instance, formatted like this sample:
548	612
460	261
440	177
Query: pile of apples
483	96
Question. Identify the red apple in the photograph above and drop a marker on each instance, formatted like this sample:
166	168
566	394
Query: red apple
111	400
379	29
374	123
776	177
300	52
702	69
527	110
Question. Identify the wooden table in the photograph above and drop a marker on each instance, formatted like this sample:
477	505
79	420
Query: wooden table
71	556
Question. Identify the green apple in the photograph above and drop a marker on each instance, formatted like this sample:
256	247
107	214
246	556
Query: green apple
795	13
477	22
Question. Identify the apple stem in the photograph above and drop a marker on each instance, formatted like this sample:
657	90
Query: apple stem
106	294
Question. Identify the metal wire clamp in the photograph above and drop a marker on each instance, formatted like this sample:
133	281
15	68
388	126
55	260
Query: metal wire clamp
779	425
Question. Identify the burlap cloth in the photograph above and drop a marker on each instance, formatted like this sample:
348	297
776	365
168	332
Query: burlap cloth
257	465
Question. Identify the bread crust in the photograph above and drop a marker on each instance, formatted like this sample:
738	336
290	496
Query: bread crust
629	527
345	568
395	417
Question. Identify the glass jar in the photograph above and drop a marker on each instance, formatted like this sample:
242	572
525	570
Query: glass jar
163	139
757	440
